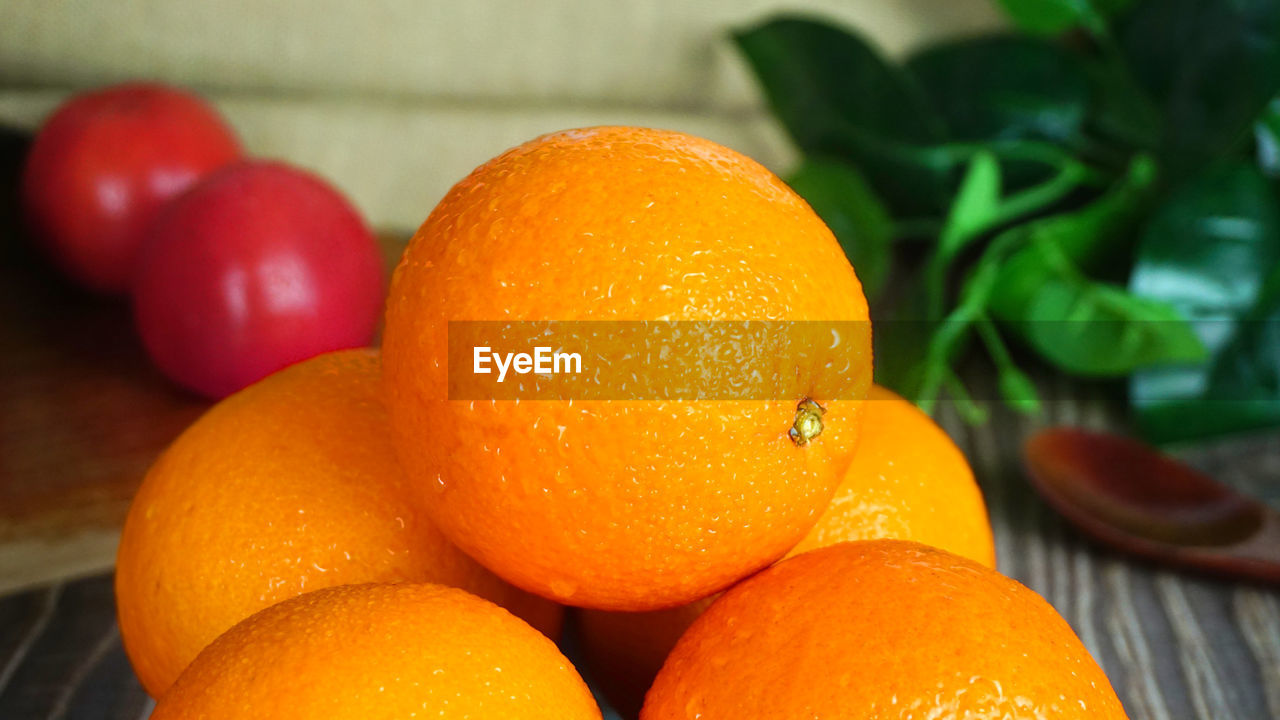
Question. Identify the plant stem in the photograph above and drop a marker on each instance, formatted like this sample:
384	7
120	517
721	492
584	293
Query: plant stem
996	348
972	412
1016	388
973	303
1021	204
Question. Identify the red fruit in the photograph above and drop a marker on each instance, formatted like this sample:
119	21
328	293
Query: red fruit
105	162
258	267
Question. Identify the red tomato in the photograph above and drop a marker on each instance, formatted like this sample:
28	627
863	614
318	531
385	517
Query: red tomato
105	162
259	266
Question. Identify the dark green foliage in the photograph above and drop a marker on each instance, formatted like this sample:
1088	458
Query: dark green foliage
1100	187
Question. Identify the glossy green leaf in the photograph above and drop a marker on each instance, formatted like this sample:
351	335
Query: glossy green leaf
1091	328
856	216
1076	323
1111	8
979	208
838	97
1247	371
1208	248
823	79
1210	65
1045	17
1240	392
1212	251
1051	17
1006	88
1091	239
976	203
1121	114
1266	134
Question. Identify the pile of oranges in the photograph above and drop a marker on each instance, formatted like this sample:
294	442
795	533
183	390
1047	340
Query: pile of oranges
344	540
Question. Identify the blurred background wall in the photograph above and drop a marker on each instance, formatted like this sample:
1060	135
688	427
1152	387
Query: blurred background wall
395	100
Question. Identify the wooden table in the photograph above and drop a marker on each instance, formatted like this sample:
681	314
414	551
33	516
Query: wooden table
81	415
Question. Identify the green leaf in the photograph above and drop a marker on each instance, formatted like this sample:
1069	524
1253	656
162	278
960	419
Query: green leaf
1210	65
979	208
1052	17
1121	114
974	210
1092	239
976	203
856	216
823	79
838	97
1242	391
1006	88
1208	248
1266	133
1081	325
1094	329
1111	8
1212	251
1248	368
1045	17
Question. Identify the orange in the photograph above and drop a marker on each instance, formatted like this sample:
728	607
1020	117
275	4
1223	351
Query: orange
287	486
630	504
908	481
880	629
380	652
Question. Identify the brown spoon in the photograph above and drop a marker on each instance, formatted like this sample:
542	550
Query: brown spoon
1129	496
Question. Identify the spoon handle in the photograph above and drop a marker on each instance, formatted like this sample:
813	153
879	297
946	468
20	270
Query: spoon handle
1259	556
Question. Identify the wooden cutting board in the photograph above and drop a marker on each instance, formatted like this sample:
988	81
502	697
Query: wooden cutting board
82	415
82	412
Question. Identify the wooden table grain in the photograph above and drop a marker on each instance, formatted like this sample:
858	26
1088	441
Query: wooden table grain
1176	647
